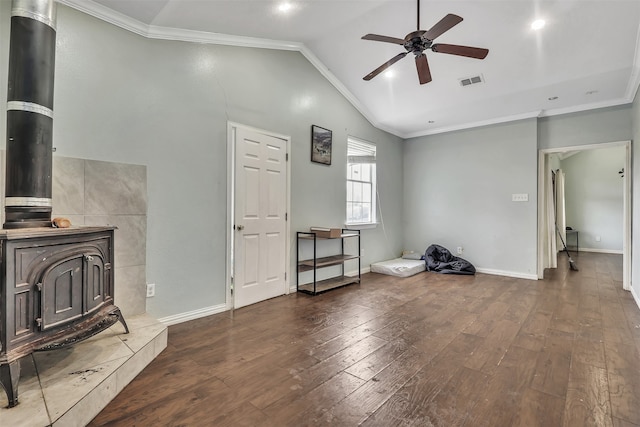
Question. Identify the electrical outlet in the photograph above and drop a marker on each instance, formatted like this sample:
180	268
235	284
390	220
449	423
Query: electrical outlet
459	249
521	197
151	290
597	238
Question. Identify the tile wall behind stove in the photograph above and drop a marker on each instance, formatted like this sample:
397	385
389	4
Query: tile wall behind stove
90	192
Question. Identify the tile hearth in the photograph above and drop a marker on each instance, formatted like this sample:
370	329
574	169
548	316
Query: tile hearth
69	387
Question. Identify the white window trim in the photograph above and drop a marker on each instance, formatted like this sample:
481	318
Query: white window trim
361	225
374	196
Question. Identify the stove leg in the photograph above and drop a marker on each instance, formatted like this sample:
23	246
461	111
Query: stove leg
9	376
121	319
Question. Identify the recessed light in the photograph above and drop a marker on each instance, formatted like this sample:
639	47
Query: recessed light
538	24
552	98
285	7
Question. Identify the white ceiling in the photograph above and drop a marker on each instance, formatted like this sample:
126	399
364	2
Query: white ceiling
587	55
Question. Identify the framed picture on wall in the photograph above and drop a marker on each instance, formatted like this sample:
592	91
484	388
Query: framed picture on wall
320	145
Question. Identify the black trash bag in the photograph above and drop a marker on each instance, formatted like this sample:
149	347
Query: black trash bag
439	259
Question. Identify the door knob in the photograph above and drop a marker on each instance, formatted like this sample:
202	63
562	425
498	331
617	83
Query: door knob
240	227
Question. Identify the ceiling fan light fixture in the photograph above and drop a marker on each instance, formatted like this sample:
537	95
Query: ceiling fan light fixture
538	24
419	41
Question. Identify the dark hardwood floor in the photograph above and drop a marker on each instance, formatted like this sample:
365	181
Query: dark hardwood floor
426	350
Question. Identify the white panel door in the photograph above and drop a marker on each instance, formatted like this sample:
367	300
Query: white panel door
259	221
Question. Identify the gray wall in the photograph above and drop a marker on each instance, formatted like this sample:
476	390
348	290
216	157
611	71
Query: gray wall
458	191
123	98
600	126
587	127
458	185
594	197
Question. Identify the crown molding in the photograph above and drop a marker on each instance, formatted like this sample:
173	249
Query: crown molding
175	34
345	92
178	34
634	79
495	121
585	107
107	15
538	114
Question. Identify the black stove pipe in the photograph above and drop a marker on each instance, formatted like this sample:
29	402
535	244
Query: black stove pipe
30	114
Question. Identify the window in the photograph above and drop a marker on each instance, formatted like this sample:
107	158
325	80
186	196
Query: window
361	182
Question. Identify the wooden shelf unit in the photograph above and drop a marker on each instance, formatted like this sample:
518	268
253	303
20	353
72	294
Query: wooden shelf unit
313	264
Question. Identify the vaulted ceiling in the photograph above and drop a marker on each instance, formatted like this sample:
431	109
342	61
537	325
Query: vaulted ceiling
586	56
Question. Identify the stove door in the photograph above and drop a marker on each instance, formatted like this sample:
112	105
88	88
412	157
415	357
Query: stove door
72	288
62	292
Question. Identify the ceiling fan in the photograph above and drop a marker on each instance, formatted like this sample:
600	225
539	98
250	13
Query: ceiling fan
418	41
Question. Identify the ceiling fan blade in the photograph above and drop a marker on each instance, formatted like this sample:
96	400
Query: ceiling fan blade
424	74
384	66
386	39
454	49
445	24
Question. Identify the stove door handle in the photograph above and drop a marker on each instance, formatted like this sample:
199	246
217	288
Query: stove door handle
88	258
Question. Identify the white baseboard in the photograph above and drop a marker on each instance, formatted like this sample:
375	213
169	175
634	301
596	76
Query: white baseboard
192	315
602	251
363	270
515	274
208	311
635	297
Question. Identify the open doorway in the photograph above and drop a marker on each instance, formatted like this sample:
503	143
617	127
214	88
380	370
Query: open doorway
549	160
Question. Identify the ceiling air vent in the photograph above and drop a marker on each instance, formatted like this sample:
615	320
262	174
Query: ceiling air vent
471	80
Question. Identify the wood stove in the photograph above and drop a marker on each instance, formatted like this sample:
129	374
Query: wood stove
56	285
56	288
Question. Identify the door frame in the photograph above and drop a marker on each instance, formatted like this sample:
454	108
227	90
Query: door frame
627	202
231	175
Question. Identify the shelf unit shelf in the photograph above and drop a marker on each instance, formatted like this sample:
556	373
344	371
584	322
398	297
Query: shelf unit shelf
304	236
315	263
308	264
328	284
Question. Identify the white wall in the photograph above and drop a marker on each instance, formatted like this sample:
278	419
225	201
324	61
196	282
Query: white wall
123	98
458	192
594	197
635	228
